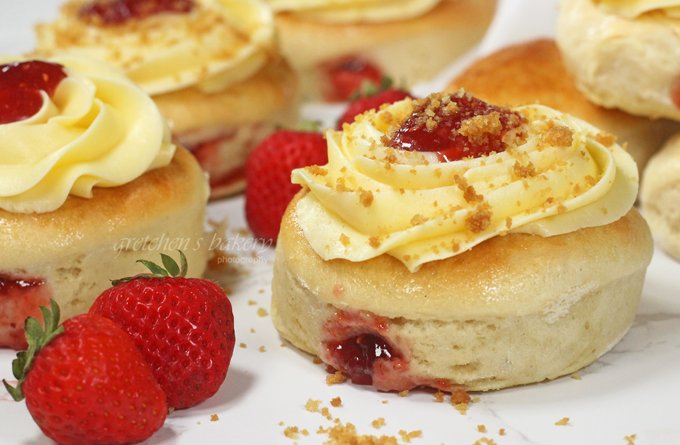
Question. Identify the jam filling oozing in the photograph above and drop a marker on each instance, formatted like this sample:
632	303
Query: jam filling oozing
356	356
20	86
675	92
19	299
117	12
455	127
348	75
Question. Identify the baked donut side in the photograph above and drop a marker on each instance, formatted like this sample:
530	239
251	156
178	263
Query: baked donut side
513	310
534	72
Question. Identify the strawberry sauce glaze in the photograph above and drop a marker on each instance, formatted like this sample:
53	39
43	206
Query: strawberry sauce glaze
435	126
117	12
20	86
19	299
359	345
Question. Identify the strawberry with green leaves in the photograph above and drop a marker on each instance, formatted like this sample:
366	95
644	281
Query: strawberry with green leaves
85	382
184	328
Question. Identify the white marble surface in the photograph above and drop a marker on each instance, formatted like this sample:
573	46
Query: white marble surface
634	389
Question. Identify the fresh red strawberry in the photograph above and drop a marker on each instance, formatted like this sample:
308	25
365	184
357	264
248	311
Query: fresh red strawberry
370	102
349	75
268	169
85	382
184	328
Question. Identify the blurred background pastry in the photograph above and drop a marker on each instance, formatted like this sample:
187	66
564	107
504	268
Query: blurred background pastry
624	54
210	66
334	45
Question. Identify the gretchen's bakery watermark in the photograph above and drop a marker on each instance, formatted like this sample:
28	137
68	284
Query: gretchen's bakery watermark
231	244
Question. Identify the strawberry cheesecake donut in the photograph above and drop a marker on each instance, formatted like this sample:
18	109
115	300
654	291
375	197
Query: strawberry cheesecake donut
455	244
90	182
624	53
334	45
210	66
534	72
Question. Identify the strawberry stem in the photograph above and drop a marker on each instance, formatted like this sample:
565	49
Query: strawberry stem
171	269
37	338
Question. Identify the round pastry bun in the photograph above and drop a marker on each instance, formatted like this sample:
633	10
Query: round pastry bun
221	129
408	51
628	63
513	310
533	72
660	196
77	249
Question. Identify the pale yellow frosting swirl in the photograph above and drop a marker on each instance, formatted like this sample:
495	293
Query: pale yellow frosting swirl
635	8
215	45
371	199
355	11
99	129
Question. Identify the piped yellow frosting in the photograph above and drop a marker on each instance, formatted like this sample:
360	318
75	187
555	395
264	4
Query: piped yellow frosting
561	175
99	129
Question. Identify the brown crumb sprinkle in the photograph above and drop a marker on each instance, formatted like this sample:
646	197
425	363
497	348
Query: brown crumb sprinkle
365	197
344	240
347	435
316	170
485	441
335	402
479	220
630	440
576	377
403	393
252	302
406	437
317	361
214	418
501	432
262	312
563	421
377	423
334	379
481	428
291	432
262	349
460	396
243	345
439	397
462	408
312	405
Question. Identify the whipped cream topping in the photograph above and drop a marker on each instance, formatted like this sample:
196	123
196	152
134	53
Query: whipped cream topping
355	11
635	8
559	175
215	45
98	129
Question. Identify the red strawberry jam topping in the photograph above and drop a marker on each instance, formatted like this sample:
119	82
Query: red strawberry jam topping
19	299
455	127
117	12
348	75
20	86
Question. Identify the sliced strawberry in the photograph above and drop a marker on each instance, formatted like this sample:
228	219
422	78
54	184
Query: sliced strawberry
371	102
268	170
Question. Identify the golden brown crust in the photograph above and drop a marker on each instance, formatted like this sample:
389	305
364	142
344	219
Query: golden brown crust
534	72
510	275
262	98
110	213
